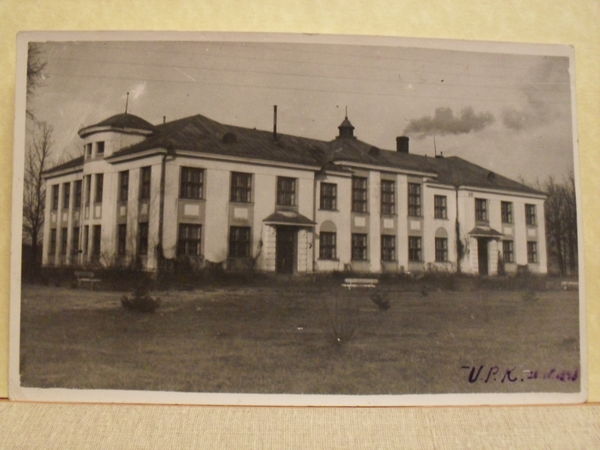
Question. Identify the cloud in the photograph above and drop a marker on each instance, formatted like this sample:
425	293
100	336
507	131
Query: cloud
541	97
444	121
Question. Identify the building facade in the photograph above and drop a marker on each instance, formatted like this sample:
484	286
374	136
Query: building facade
194	191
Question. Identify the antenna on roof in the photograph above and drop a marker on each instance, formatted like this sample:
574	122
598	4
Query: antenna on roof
126	102
346	111
434	147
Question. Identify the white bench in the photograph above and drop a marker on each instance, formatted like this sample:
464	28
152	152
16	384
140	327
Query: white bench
569	285
351	283
86	278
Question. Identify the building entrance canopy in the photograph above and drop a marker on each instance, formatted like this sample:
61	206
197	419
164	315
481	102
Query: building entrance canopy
289	218
485	232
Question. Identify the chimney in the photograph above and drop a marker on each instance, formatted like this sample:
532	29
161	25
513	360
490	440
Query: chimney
402	144
274	122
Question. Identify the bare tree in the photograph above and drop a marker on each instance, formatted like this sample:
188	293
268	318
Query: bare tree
35	68
561	223
34	191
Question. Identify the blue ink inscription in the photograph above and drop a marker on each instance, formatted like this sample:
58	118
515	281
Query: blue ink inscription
496	374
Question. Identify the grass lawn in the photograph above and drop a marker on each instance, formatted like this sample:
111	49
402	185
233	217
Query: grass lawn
279	339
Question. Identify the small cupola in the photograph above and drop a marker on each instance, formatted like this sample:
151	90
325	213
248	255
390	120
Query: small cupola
346	129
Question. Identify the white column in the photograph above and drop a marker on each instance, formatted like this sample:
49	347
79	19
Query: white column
374	244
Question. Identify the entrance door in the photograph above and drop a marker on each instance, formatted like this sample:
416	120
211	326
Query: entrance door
286	249
482	255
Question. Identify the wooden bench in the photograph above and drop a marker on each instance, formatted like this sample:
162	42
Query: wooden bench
351	283
86	278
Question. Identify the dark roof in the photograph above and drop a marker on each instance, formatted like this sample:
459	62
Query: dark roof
199	133
485	232
456	171
357	151
346	123
124	120
71	164
289	217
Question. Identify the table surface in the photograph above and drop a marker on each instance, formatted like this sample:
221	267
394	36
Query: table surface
65	426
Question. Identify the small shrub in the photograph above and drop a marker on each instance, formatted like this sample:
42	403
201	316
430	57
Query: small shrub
529	296
141	300
379	299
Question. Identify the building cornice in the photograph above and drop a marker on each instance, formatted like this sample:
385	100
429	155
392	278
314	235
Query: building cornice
62	172
503	192
385	169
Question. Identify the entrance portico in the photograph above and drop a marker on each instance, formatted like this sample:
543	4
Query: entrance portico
288	240
483	242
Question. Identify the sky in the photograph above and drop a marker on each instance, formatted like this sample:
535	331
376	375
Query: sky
507	112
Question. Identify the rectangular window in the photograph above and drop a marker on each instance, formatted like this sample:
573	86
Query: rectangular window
441	249
145	178
508	251
481	210
143	238
66	195
52	249
388	197
88	189
530	215
388	247
239	242
192	183
189	240
359	247
532	255
88	150
241	187
100	148
54	204
286	191
96	241
85	243
507	212
77	204
63	240
359	194
122	239
327	245
328	196
75	241
414	199
123	185
414	249
440	207
99	187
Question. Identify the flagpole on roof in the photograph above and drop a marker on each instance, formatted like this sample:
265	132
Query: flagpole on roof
126	102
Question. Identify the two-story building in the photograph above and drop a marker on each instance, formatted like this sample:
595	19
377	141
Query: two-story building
194	190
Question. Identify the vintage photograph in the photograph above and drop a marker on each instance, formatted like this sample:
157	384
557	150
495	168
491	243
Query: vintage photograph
335	220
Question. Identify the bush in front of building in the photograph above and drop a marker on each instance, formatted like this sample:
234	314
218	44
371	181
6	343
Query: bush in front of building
140	300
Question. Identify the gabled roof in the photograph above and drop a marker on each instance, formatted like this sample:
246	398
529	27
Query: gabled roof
123	121
481	231
71	164
288	217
